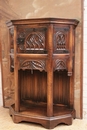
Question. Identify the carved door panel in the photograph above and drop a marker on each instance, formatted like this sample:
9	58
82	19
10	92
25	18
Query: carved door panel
31	39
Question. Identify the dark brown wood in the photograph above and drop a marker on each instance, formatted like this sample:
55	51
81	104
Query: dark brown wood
42	58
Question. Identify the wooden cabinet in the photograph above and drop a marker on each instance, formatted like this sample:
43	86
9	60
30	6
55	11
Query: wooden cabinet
42	58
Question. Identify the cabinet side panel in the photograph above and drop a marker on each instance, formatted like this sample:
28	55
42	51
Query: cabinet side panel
61	88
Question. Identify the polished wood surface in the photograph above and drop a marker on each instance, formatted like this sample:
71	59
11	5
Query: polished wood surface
42	55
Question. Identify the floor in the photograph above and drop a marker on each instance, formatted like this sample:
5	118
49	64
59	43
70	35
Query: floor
6	123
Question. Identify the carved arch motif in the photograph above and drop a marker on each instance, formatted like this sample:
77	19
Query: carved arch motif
33	65
60	40
35	41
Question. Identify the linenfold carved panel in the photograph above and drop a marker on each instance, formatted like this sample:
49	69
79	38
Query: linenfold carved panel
32	65
31	39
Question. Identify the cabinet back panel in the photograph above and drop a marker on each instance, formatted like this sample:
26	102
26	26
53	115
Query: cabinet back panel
33	85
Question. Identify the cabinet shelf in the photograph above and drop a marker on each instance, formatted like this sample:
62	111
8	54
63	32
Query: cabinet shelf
39	109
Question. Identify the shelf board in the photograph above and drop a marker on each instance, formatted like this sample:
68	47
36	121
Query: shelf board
40	109
37	114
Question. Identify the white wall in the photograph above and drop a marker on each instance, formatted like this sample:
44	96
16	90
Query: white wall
85	62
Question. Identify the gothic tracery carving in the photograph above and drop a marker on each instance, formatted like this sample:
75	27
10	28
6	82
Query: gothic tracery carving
60	64
31	39
33	65
60	40
35	41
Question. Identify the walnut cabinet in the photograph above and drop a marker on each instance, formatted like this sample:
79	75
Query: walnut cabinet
41	54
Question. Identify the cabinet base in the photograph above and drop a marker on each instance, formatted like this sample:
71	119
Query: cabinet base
47	122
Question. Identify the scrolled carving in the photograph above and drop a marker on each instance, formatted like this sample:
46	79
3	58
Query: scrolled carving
32	65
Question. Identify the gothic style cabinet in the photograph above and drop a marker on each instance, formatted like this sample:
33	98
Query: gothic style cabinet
42	58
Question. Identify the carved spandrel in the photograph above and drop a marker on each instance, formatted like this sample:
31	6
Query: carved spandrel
32	65
60	64
63	64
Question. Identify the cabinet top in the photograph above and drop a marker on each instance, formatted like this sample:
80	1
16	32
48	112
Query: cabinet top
42	21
